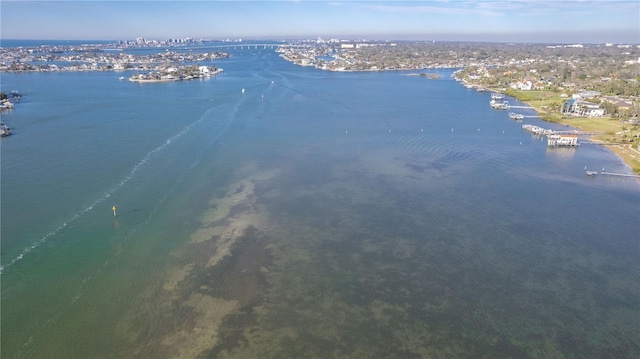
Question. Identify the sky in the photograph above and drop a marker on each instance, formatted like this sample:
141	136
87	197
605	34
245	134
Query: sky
538	21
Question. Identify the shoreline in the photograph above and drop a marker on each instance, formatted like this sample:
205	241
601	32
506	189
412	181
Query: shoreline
153	80
624	151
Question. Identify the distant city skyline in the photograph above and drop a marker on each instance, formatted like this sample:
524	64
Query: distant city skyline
541	21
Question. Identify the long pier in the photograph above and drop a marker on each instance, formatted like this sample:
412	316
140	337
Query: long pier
543	131
580	133
611	174
618	174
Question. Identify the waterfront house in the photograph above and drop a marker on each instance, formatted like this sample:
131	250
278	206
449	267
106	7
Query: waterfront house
580	108
618	102
623	104
589	109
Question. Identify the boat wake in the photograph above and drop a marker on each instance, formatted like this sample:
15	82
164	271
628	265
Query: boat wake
207	116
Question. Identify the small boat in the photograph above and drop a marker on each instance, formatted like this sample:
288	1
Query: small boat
16	95
4	130
500	106
497	96
591	173
516	116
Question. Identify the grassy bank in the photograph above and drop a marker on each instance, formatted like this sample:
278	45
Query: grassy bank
621	138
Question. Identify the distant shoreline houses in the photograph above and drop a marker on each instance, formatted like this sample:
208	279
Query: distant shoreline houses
52	60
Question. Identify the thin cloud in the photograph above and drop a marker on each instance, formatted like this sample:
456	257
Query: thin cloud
496	7
554	6
430	9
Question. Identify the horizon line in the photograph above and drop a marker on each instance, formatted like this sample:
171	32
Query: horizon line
349	38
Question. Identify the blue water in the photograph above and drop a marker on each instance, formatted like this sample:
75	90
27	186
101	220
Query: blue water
315	214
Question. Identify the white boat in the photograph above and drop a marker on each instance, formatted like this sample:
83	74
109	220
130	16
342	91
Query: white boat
504	105
4	130
516	116
497	96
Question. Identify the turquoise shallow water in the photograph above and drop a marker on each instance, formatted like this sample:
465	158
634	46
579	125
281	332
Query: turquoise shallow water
314	215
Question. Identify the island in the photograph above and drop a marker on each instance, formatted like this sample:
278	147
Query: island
179	73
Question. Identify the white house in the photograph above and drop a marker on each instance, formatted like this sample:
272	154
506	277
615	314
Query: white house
586	94
581	108
522	85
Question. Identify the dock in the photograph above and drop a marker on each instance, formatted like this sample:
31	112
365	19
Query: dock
619	174
504	105
537	130
580	133
612	174
543	131
556	140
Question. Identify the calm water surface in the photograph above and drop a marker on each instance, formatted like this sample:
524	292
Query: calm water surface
316	214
